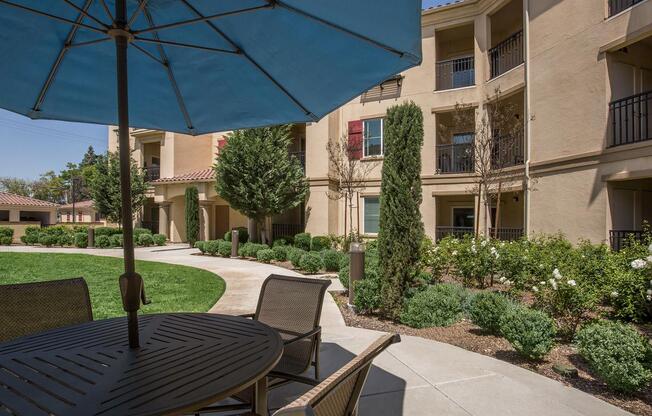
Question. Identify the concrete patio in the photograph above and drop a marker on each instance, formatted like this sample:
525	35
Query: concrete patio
416	377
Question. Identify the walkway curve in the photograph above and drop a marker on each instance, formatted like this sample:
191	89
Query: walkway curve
416	377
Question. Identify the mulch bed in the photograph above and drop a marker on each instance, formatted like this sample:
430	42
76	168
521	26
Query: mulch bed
466	335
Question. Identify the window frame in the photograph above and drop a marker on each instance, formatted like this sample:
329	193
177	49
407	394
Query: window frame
382	137
364	214
454	207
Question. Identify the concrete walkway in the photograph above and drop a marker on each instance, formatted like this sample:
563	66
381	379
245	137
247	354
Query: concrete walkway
416	377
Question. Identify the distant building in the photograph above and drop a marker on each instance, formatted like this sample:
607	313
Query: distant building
19	212
83	213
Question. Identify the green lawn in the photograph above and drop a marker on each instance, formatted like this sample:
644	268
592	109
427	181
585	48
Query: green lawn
171	288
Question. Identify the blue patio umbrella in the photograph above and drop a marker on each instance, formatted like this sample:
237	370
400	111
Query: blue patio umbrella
196	66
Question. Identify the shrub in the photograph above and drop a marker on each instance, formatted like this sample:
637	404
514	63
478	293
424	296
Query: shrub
311	263
6	232
201	246
331	259
224	248
145	239
31	235
531	332
294	255
67	239
475	260
320	242
6	241
48	240
243	249
367	294
159	239
103	241
280	242
81	240
266	255
289	240
487	308
108	231
138	232
302	241
343	275
251	249
280	252
243	235
117	240
212	247
437	305
618	354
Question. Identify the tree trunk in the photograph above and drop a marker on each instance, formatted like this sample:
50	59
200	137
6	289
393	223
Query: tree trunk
477	212
498	196
345	204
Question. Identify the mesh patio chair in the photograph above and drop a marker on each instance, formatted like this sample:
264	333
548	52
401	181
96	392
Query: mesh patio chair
292	306
28	308
339	394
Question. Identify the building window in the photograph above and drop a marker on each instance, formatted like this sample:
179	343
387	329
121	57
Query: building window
372	131
371	215
463	217
80	217
463	138
68	216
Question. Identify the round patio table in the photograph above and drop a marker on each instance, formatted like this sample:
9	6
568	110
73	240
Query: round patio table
186	361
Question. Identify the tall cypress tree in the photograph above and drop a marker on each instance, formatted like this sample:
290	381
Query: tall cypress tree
192	215
401	229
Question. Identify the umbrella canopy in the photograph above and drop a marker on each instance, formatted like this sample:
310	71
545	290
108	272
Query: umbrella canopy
196	66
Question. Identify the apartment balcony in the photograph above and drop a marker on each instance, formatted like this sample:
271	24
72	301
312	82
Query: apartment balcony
619	239
455	73
455	158
301	155
506	234
285	230
152	173
457	232
630	119
507	54
617	6
508	150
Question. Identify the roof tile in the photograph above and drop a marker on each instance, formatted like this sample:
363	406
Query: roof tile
12	199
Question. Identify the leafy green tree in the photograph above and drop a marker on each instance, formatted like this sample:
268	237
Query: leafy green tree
16	186
50	187
105	188
257	176
401	229
192	215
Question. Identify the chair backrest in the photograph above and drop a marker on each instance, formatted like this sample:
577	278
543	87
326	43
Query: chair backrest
28	308
339	394
291	304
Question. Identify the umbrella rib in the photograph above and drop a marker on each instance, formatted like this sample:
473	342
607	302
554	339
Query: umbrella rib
85	13
345	30
54	17
57	63
89	42
202	19
148	54
253	62
134	15
106	10
168	69
184	45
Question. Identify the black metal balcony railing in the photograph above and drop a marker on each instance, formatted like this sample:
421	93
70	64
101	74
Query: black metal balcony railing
617	6
507	150
457	232
301	155
507	54
152	173
455	73
619	239
280	230
506	234
455	158
630	119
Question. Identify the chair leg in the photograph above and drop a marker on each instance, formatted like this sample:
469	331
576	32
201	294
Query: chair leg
317	348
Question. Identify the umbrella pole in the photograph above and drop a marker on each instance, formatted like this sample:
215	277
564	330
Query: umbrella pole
130	282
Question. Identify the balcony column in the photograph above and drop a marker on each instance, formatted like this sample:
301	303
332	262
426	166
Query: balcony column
164	219
204	220
14	215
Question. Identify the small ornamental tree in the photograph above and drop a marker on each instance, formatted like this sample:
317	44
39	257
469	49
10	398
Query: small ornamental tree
192	215
401	229
105	188
258	177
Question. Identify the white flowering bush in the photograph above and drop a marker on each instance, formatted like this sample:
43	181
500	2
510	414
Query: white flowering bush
630	290
566	298
436	258
475	260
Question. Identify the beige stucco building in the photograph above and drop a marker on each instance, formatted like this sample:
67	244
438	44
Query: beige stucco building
19	212
578	73
81	212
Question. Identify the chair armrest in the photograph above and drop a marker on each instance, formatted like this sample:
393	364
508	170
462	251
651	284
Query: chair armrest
247	315
299	336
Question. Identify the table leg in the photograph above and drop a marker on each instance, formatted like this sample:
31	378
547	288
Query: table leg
260	397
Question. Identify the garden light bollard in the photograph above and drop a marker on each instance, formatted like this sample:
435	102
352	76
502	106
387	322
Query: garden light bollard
356	268
91	237
234	242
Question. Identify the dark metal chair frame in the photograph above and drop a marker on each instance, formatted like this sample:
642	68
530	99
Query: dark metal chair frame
28	308
339	394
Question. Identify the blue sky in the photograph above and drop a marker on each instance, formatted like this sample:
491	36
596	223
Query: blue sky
31	147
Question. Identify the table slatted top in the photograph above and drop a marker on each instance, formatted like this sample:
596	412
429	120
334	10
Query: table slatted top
186	361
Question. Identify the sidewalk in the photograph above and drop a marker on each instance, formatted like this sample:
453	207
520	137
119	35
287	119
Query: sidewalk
416	377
